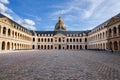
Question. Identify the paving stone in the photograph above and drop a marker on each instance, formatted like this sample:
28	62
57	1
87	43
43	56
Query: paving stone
60	65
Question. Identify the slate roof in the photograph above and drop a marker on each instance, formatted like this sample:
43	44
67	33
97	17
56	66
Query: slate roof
62	32
118	15
2	16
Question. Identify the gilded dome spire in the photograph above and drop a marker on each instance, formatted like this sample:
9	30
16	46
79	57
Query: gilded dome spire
60	26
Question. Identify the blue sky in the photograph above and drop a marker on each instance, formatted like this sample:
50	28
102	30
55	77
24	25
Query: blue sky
43	14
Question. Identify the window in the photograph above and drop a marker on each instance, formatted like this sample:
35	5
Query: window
33	39
85	39
38	39
4	30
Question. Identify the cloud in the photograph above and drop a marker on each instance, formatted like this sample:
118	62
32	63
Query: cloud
3	8
92	12
29	24
4	1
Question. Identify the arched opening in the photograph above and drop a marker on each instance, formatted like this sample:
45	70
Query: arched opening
80	40
33	39
12	46
67	40
41	46
115	45
51	46
59	46
38	46
74	40
77	47
80	47
33	47
45	39
9	32
59	39
114	31
110	46
38	39
85	46
13	34
3	45
73	46
8	46
67	46
48	40
110	32
42	40
48	47
44	46
85	39
4	30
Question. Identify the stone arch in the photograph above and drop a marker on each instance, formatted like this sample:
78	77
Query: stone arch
38	46
73	46
33	46
67	46
51	46
3	45
41	46
110	45
80	46
85	46
115	45
85	39
9	32
67	40
114	31
13	34
77	47
110	33
8	45
74	40
4	30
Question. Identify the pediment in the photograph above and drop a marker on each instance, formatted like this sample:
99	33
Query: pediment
113	21
59	35
6	20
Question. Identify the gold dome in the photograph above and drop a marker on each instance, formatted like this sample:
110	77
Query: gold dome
60	26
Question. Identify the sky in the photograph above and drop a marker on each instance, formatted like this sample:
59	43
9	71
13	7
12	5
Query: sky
77	15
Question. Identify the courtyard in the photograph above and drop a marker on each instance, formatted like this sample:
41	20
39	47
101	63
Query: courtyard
59	65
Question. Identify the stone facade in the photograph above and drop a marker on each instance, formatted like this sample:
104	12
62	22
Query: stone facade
106	36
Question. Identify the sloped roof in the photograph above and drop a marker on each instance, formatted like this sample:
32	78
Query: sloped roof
2	16
118	15
62	32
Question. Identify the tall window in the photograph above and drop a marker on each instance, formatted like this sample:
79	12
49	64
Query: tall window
9	32
38	39
85	39
4	30
33	39
114	31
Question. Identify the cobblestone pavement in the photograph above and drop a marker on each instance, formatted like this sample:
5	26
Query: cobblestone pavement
59	65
